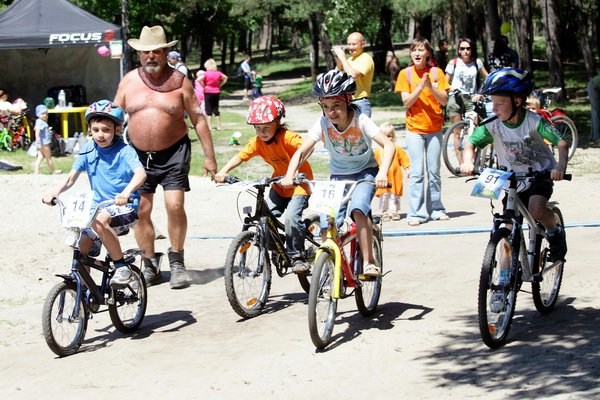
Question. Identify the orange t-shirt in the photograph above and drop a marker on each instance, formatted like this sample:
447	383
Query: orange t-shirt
425	115
277	153
395	174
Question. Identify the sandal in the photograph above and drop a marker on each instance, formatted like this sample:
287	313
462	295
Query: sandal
372	270
414	222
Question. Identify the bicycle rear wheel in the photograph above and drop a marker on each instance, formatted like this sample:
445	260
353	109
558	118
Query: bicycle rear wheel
129	307
496	304
313	228
246	282
568	131
63	330
545	292
367	291
322	306
449	151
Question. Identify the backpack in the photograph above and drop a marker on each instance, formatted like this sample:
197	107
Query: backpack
240	71
433	70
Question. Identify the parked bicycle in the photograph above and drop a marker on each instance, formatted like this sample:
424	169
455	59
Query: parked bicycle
338	269
508	261
557	117
457	134
20	131
259	246
71	303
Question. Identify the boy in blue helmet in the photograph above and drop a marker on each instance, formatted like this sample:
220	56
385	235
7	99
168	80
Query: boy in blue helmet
518	136
114	172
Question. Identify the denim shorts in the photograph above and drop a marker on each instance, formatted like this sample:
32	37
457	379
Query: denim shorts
362	196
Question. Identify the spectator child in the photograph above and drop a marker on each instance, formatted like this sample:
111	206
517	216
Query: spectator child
389	198
43	138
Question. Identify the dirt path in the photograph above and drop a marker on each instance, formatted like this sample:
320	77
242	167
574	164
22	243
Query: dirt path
423	343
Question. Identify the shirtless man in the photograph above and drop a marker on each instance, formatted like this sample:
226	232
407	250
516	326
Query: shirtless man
156	96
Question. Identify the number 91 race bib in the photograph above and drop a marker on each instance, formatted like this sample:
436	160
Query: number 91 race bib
490	183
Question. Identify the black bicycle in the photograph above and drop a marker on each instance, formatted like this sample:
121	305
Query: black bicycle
508	262
71	303
260	245
456	136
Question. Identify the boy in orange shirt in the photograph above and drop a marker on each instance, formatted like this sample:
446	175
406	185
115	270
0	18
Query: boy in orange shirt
389	198
276	144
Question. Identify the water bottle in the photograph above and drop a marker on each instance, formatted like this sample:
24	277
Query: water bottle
62	99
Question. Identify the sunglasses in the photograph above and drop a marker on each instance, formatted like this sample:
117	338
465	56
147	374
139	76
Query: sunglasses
464	48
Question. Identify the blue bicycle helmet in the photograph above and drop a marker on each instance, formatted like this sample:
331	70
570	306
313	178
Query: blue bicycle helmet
334	83
508	82
105	109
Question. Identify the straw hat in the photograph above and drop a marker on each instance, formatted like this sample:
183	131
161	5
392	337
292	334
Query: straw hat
151	38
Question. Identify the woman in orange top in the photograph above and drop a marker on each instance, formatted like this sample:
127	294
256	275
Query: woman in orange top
276	144
389	198
424	91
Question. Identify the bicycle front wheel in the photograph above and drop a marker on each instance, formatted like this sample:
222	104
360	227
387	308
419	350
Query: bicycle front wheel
367	291
452	151
567	130
322	306
496	303
246	282
546	286
128	307
64	329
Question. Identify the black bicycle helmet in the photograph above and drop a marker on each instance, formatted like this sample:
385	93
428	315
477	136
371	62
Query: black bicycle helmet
508	82
334	83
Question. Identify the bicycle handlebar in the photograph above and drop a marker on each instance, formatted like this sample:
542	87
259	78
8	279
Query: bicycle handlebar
525	175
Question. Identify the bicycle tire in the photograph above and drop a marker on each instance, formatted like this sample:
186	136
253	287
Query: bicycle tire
313	228
449	155
545	292
64	334
322	307
494	326
247	290
367	291
129	307
568	131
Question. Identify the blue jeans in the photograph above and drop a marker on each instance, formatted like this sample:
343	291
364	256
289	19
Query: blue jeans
294	224
424	152
364	106
362	195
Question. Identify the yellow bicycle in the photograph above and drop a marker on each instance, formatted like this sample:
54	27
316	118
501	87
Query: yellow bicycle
338	269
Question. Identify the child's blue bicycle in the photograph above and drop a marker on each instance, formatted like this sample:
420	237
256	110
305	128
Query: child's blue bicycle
71	303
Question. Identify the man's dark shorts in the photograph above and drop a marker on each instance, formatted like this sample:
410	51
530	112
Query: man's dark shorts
169	168
247	83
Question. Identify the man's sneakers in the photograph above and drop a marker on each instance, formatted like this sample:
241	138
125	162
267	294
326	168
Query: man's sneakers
179	276
558	243
152	269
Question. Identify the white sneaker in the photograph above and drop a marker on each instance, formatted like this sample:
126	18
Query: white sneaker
121	277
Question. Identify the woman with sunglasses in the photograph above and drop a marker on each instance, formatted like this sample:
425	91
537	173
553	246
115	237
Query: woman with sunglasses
462	73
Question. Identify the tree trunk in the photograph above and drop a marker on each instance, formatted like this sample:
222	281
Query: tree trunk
127	60
314	26
584	42
551	21
492	25
232	54
523	30
383	42
268	37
